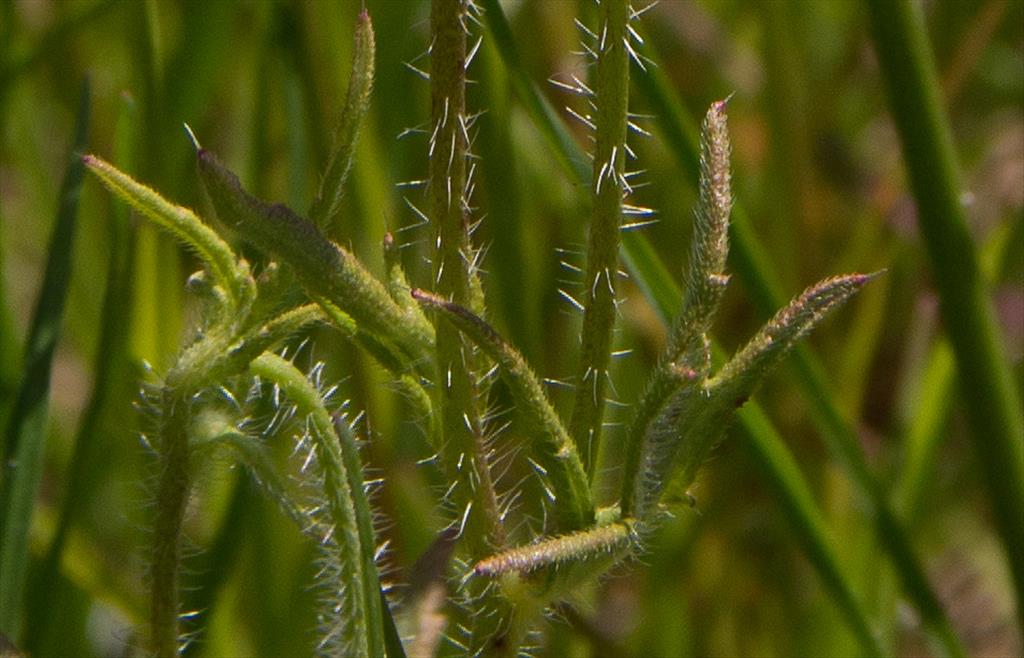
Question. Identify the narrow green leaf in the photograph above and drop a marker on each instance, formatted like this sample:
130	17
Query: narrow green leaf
701	413
24	441
554	453
570	548
741	374
360	83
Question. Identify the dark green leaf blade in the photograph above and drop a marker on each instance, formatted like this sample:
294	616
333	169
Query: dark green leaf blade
25	438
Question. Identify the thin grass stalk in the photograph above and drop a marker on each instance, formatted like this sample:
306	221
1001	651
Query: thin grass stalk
611	88
992	401
784	476
50	42
929	412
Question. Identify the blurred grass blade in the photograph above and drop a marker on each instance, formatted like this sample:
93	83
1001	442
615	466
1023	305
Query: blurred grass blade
572	158
929	410
797	503
24	441
53	40
111	368
989	392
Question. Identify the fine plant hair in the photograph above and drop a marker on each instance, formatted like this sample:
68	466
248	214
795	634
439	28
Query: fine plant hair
435	341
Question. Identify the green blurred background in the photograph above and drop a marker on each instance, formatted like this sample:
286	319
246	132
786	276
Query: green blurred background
817	166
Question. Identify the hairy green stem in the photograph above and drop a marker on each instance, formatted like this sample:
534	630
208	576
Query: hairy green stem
349	509
23	440
463	453
612	97
171	501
